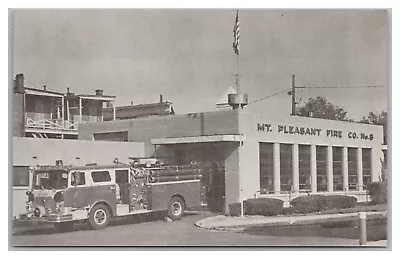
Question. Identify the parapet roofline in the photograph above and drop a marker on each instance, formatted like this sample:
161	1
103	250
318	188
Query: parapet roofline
97	97
35	91
140	105
199	139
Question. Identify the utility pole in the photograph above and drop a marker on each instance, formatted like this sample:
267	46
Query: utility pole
293	95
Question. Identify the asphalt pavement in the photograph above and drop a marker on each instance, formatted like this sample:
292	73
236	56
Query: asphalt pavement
137	232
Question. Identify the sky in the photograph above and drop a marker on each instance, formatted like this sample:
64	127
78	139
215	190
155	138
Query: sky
186	55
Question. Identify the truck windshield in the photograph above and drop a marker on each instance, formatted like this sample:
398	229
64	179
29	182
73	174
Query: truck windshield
50	179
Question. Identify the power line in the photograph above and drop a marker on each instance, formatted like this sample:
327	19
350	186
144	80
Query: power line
359	86
320	87
269	96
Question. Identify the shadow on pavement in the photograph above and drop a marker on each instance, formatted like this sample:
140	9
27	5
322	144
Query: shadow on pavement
47	229
376	230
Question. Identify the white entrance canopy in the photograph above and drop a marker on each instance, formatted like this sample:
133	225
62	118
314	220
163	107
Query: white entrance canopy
198	139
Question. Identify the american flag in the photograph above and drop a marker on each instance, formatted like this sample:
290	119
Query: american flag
236	34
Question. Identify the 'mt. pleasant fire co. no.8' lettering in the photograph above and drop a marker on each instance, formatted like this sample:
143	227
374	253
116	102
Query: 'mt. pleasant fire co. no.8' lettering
295	130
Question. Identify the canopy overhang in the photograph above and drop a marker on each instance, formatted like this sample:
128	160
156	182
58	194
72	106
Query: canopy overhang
198	139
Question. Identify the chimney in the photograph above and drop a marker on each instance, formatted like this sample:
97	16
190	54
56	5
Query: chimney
99	92
161	99
45	88
131	103
67	90
19	82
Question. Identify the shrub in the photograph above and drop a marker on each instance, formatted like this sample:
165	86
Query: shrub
317	203
307	204
235	209
378	192
340	202
263	206
259	206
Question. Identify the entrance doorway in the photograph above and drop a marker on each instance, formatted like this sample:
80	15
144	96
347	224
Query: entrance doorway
211	158
215	187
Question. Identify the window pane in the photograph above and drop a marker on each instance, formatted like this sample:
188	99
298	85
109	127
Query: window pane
121	136
322	174
366	161
337	153
352	162
266	167
101	176
78	178
286	166
21	176
304	167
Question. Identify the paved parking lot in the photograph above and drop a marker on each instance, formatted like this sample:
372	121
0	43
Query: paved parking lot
155	232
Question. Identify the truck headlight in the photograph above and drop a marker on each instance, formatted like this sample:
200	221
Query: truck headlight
28	206
60	207
29	196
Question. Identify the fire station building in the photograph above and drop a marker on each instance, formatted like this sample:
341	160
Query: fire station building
259	155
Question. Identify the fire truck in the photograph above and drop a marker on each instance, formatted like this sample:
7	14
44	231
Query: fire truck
63	195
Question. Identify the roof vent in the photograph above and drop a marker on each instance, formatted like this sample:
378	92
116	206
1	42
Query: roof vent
99	92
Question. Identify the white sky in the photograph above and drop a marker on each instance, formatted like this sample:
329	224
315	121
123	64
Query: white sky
186	55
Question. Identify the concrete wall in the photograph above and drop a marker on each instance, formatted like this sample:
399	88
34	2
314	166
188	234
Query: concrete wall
19	199
47	151
187	125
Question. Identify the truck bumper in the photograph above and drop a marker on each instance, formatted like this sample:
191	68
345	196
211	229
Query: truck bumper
52	218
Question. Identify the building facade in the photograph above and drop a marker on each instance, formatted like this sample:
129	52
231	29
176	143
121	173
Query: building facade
260	155
41	113
138	111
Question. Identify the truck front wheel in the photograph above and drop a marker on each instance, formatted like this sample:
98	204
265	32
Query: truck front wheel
176	208
99	217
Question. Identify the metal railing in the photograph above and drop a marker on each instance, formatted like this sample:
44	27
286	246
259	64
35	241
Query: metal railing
52	124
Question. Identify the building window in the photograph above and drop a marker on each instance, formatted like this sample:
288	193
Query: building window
286	167
337	168
304	168
322	174
352	164
121	136
101	176
21	176
366	161
266	151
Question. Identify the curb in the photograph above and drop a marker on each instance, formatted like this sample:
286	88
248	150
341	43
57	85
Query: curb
283	221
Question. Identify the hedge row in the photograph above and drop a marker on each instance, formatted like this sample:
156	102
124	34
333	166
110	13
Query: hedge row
317	203
259	206
378	192
300	205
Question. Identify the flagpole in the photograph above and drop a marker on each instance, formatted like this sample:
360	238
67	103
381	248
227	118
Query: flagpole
238	74
238	53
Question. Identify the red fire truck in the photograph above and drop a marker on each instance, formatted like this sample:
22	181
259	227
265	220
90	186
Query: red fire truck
63	195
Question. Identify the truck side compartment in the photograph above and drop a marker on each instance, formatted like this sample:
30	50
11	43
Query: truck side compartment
159	194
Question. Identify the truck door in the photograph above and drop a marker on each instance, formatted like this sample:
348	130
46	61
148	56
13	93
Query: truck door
77	196
103	187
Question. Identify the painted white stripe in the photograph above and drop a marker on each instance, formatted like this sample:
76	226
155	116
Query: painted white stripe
186	181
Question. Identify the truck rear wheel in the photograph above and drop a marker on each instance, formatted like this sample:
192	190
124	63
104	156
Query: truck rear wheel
176	208
99	217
